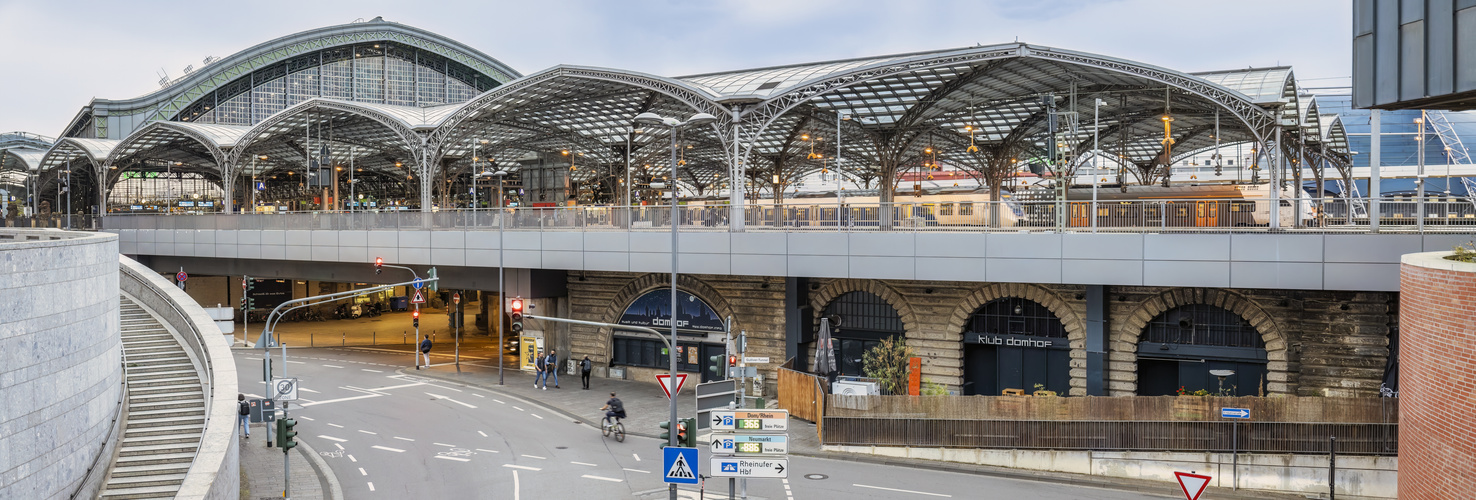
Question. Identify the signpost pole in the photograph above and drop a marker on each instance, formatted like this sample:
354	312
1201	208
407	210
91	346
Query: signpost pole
286	453
1235	455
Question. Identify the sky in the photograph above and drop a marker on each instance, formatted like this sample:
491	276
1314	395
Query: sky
62	53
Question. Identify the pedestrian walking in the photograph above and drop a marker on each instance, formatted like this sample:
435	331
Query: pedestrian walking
425	348
541	376
584	367
244	413
551	364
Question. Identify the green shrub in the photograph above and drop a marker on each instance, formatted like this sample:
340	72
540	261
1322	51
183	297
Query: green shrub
887	363
1464	253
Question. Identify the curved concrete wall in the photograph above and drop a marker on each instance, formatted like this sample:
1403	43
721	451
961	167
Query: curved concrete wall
60	358
1437	372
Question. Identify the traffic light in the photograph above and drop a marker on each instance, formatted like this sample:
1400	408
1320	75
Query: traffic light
415	318
666	435
247	285
515	312
718	365
432	282
687	433
378	265
285	433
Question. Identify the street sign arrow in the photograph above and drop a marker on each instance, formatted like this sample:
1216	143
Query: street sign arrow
779	468
1235	413
419	284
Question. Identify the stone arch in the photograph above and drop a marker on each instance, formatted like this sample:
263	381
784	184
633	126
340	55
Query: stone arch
638	286
1074	323
1123	349
827	293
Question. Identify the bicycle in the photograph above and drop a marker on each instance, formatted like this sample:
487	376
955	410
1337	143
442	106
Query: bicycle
606	428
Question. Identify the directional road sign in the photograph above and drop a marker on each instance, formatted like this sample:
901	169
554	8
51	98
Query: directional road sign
1235	413
755	359
667	386
286	389
1192	484
750	467
746	444
680	465
419	284
753	420
417	298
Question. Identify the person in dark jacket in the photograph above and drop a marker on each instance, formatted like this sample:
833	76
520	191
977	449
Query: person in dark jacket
551	368
244	410
584	367
425	348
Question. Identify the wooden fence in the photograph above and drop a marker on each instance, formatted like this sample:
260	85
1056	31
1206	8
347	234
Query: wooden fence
1117	408
803	395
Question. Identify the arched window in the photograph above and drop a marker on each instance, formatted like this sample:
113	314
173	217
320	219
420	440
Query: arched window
865	319
1200	346
1013	343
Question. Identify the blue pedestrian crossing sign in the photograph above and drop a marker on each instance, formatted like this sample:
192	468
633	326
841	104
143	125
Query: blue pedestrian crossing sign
680	464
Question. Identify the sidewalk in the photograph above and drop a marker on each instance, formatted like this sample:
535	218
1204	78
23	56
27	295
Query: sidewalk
261	471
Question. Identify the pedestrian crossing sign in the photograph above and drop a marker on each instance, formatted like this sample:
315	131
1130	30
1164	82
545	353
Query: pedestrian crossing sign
680	464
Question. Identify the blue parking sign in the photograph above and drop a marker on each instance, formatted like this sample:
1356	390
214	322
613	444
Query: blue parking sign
680	465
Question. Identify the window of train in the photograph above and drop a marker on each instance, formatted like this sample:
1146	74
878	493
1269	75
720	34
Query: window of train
966	209
945	209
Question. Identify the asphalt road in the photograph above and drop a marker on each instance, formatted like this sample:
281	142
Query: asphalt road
388	434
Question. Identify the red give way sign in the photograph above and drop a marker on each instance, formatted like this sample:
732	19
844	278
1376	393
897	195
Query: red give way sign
667	386
1192	484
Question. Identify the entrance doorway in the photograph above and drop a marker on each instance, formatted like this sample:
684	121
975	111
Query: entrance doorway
1201	347
1015	343
864	319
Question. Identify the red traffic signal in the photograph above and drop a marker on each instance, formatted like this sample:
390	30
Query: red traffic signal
732	360
516	305
378	264
415	314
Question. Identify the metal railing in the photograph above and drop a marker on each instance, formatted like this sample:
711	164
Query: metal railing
1179	215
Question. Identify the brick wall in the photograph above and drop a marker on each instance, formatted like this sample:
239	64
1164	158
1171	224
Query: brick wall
1437	434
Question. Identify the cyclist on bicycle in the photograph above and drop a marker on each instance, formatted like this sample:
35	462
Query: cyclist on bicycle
613	408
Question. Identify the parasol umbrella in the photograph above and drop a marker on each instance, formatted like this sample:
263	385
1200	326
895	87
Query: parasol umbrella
824	350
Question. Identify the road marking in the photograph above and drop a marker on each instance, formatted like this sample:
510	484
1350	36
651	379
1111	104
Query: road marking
478	395
306	418
367	432
523	467
332	366
637	470
352	459
403	439
536	415
499	401
438	396
331	438
339	400
371	371
482	433
638	457
297	362
336	425
517	495
386	448
518	409
444	444
453	458
534	456
603	478
903	491
304	389
488	451
582	463
371	486
362	473
338	445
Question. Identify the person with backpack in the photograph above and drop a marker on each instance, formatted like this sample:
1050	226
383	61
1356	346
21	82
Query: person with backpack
613	408
244	413
551	368
538	364
584	367
425	348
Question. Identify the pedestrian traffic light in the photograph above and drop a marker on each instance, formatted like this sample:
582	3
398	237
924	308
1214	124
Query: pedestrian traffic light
515	312
415	318
285	434
718	365
378	265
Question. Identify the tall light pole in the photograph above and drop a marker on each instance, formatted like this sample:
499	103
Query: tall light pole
1096	156
630	131
501	283
674	126
1420	175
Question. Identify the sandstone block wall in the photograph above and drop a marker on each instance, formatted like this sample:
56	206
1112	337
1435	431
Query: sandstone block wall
60	359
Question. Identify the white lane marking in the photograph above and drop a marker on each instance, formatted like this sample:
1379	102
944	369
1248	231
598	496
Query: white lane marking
444	444
903	491
371	371
536	415
534	456
350	398
582	463
362	473
638	457
338	445
438	396
517	495
403	439
453	458
636	470
331	438
367	432
297	362
306	418
332	366
482	433
499	401
304	389
488	451
478	395
352	459
336	425
386	448
518	409
523	467
587	476
386	388
371	486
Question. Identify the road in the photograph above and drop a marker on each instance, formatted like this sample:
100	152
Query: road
387	433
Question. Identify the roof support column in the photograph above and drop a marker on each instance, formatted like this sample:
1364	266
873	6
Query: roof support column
227	185
736	178
426	185
101	176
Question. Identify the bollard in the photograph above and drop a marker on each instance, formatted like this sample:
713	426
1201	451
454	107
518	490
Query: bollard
374	338
402	337
342	339
311	341
1332	468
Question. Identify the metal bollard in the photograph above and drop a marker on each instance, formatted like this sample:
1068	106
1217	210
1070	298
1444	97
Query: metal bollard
402	337
342	339
311	341
374	338
1332	468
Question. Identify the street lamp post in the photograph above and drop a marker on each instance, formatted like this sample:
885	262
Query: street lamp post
1420	174
501	283
1096	156
674	126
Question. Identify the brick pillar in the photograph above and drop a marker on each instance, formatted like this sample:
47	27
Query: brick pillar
1437	347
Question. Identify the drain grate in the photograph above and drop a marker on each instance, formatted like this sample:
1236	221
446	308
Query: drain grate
816	477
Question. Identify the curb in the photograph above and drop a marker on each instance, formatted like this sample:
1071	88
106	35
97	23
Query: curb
334	491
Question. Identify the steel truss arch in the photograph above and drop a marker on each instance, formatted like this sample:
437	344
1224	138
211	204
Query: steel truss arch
216	150
413	140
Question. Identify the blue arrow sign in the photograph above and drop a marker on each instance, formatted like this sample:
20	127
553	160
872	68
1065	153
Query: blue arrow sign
1235	413
418	284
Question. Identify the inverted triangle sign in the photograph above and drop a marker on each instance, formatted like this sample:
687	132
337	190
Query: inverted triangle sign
1192	484
667	386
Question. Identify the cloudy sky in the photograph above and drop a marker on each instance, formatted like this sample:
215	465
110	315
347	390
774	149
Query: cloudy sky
61	53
